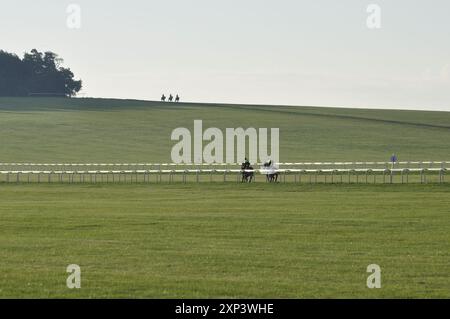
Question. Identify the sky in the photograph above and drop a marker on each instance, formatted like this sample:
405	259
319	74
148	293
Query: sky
289	52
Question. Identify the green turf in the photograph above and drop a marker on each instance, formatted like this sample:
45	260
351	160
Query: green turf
225	240
215	239
96	130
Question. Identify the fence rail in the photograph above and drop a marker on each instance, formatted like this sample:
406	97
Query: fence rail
442	163
296	175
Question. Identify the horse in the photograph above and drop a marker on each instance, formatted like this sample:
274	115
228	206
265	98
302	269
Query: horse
177	99
170	98
163	98
247	177
272	178
273	175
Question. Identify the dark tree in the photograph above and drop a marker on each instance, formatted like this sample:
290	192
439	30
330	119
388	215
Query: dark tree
36	74
12	75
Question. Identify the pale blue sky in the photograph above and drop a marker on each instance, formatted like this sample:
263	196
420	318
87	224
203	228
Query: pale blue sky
246	51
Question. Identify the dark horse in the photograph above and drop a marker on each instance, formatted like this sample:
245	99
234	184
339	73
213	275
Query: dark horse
177	98
272	177
163	98
247	177
170	98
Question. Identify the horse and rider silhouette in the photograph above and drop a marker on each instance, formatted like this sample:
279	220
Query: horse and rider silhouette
247	172
271	177
171	98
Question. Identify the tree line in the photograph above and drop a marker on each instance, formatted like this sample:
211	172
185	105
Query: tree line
37	73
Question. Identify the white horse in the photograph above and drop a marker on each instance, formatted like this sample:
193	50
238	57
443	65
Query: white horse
271	171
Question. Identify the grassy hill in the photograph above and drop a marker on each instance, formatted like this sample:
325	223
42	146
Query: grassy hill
104	130
220	239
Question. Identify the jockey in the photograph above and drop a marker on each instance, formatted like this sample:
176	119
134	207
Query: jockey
246	164
268	164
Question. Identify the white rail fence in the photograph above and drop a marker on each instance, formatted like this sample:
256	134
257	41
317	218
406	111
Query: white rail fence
415	164
317	172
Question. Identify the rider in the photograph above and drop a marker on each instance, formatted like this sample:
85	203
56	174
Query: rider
246	164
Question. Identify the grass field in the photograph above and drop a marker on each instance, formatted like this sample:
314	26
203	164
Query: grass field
225	240
94	130
216	239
